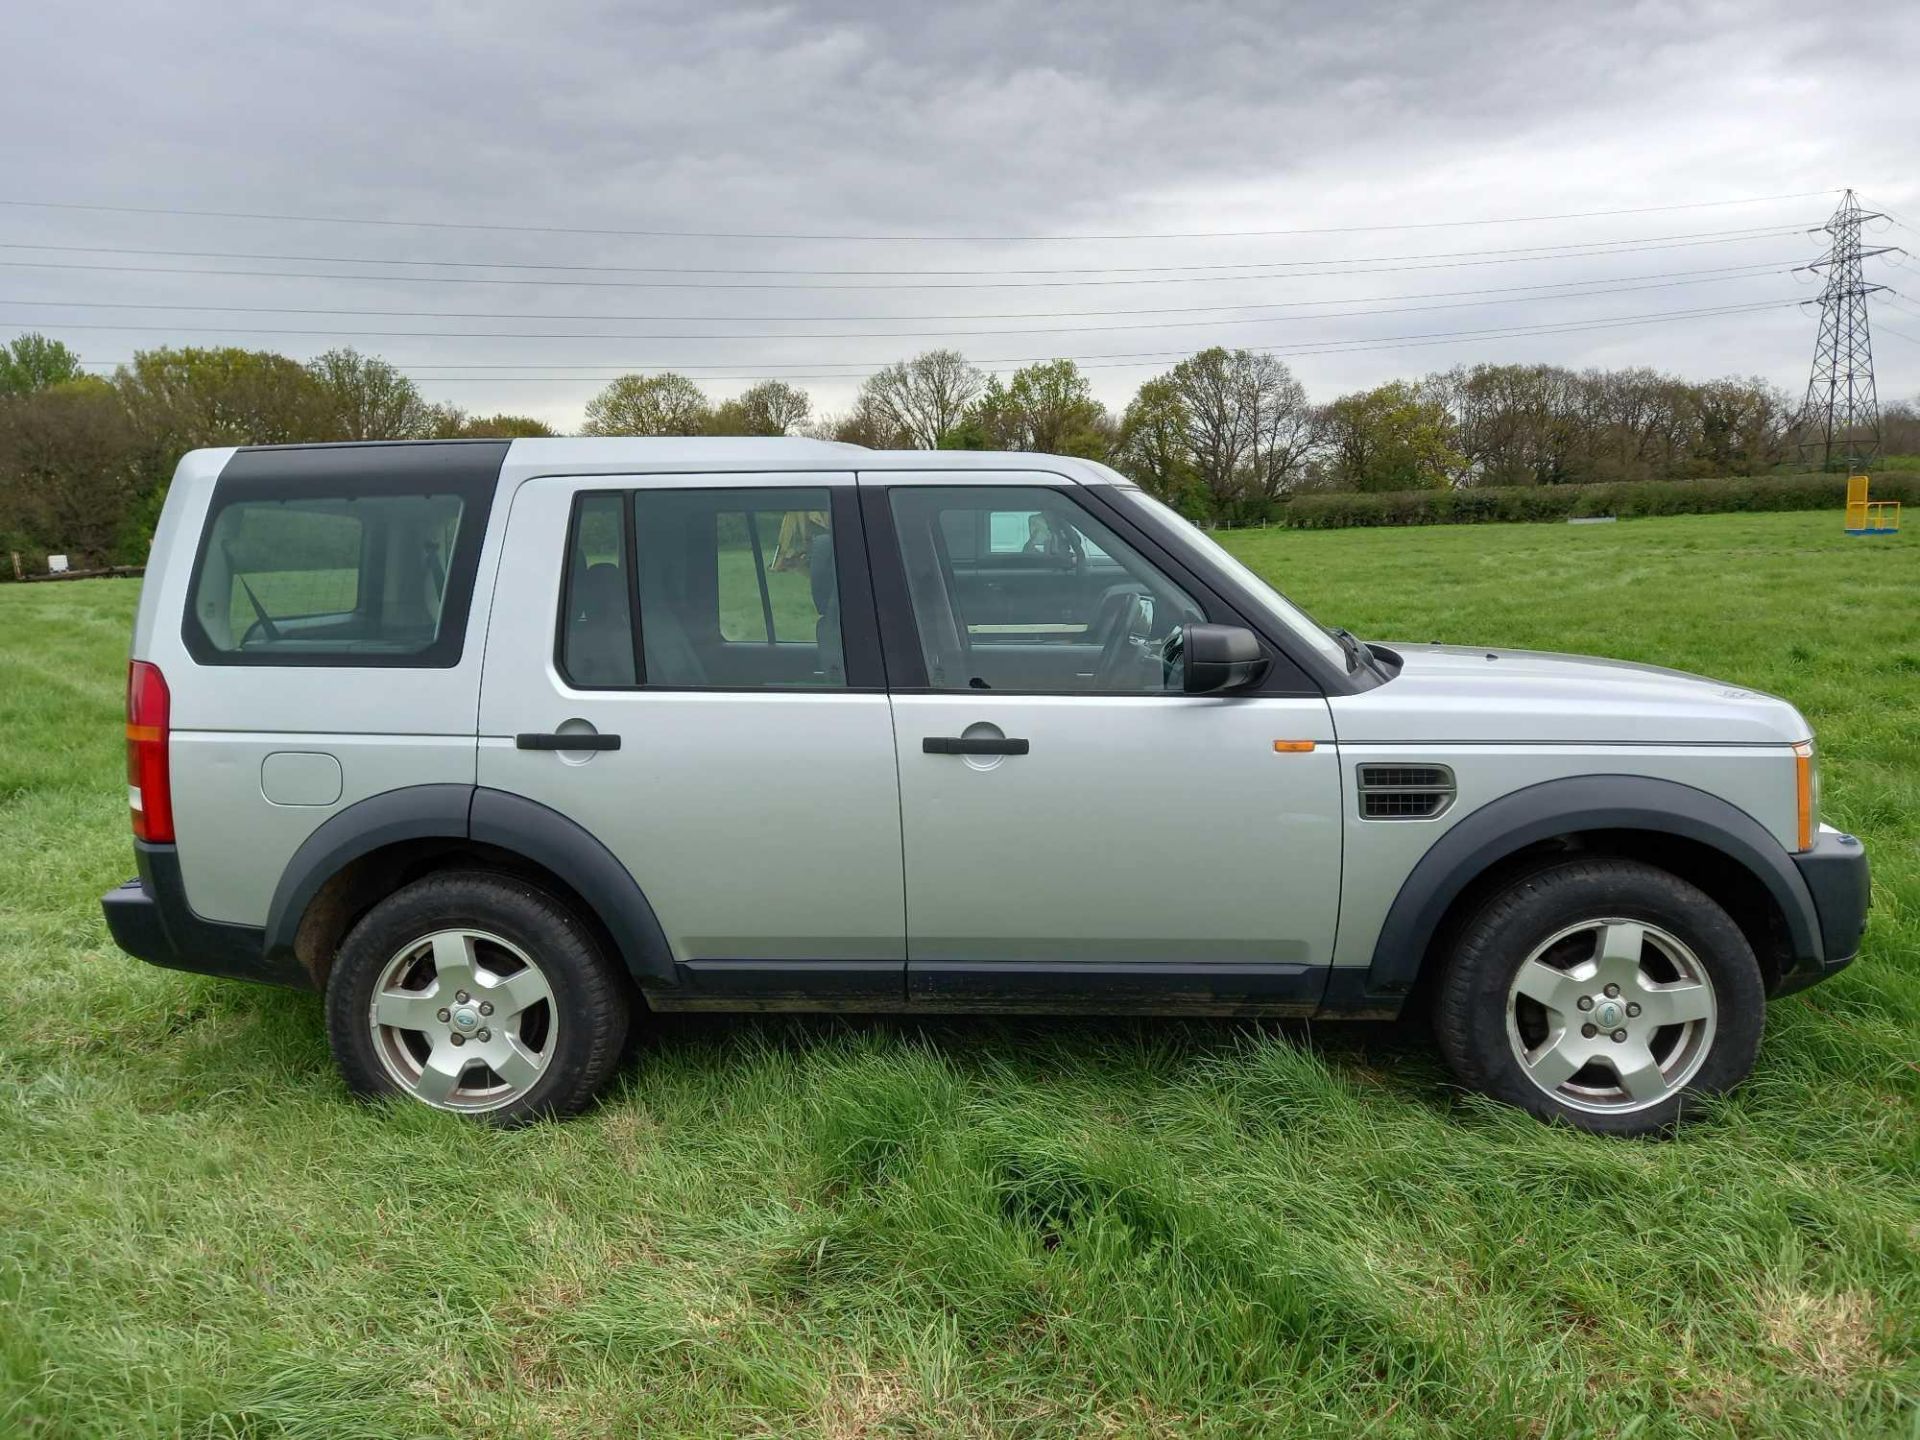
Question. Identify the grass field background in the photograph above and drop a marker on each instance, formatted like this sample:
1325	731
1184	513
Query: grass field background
849	1228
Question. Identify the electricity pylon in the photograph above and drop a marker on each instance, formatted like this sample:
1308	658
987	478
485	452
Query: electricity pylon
1841	417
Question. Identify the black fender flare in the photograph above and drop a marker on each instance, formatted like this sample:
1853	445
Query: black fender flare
497	818
1562	807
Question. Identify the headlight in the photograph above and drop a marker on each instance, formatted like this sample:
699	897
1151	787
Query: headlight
1806	789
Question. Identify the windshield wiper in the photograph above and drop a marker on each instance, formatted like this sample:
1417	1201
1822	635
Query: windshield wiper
1357	654
267	627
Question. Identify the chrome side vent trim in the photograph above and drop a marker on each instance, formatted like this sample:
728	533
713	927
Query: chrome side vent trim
1405	792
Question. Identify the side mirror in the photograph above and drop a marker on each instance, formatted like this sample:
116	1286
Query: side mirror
1221	657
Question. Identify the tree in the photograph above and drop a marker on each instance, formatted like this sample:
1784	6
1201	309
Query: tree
1047	408
1392	437
68	472
663	404
1247	427
368	399
1153	447
179	400
914	403
505	427
772	407
450	422
194	397
33	362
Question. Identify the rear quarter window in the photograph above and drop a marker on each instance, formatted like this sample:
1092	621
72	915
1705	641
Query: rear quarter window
357	567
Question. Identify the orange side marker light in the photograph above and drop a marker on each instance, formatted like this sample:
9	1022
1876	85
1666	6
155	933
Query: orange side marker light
1292	747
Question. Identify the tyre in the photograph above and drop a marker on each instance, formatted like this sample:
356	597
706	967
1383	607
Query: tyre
476	993
1606	993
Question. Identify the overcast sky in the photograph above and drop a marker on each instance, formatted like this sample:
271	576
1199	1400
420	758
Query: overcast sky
993	119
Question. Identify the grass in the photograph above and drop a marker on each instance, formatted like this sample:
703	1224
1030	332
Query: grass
851	1228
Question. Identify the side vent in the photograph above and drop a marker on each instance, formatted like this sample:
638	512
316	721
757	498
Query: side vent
1405	792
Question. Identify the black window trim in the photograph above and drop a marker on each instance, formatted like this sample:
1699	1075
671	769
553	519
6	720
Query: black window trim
468	469
907	664
860	643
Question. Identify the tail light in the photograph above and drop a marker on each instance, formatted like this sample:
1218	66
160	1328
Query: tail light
149	786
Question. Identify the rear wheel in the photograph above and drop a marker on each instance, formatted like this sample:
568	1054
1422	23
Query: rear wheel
1606	993
475	993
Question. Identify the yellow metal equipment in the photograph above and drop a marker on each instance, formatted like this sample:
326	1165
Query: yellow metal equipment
1869	517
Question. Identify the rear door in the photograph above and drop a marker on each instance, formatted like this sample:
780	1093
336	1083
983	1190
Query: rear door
1077	830
719	630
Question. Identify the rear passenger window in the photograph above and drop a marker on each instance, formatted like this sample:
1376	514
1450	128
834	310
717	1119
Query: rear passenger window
328	579
596	643
734	589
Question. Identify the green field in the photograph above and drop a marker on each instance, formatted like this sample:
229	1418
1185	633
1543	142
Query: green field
846	1228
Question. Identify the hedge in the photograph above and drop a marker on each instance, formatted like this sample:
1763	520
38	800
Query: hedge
1626	499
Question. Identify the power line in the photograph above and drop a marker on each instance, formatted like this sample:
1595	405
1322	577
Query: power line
1137	359
791	334
1723	271
1598	246
662	233
1273	272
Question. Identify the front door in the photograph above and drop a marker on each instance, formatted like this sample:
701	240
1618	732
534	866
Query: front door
721	628
1076	829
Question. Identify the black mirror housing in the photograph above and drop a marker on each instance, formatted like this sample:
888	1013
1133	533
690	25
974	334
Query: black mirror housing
1218	658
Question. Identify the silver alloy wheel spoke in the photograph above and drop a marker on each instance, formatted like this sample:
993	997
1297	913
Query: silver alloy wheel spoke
476	1053
1640	1074
1558	990
453	961
1611	1015
441	1074
512	994
1557	1059
513	1063
1619	949
1677	1003
407	1009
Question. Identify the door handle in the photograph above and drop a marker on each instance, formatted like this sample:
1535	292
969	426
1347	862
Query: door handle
962	745
566	742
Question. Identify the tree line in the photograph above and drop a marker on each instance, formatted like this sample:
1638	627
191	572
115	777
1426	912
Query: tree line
1226	435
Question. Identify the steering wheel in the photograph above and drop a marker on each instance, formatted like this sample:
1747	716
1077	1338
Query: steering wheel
1118	651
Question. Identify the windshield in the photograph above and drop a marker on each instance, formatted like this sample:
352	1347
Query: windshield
1281	609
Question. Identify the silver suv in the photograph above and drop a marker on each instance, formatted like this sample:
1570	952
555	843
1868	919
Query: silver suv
502	745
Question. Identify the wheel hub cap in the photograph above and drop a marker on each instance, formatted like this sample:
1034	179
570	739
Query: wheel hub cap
467	1018
1607	1014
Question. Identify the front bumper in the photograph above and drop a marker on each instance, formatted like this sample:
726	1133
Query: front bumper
1837	877
150	919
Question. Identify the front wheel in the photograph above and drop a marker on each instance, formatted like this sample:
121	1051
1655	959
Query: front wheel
1606	993
475	993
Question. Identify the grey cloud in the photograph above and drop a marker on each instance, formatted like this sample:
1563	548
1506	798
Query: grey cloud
997	117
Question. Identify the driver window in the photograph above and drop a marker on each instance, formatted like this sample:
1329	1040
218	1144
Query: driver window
1023	590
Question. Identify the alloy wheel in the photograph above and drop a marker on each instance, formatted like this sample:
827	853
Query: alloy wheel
1611	1015
463	1020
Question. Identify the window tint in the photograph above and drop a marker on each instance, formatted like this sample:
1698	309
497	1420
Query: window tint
359	579
765	573
596	643
1070	607
735	588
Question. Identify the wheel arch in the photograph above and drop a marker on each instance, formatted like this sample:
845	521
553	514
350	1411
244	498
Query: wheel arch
1702	838
371	849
